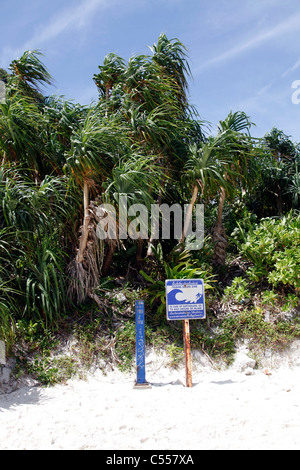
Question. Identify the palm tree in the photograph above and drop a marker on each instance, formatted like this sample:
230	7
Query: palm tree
94	151
171	57
217	167
136	178
281	168
235	148
22	118
151	93
169	121
20	127
111	73
28	73
32	247
202	171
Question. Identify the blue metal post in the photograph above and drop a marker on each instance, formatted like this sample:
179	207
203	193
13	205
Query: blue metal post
140	341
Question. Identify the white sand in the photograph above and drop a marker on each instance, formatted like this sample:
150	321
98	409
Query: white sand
223	410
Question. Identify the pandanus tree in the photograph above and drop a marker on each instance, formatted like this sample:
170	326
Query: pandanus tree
131	189
28	74
152	90
22	122
149	92
110	73
202	173
217	167
20	125
174	117
236	149
281	178
94	151
171	57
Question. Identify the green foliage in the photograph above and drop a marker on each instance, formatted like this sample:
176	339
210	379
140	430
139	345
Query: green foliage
125	345
32	251
251	324
176	354
4	75
238	290
277	190
28	74
45	282
269	297
239	220
291	302
273	247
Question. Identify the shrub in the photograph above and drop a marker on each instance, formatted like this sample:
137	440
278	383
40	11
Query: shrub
32	247
273	247
238	290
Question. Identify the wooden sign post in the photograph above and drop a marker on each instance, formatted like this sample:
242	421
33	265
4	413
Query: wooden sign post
2	353
187	353
185	301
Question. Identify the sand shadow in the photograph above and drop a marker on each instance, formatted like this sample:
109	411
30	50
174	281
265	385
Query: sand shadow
174	382
22	396
224	382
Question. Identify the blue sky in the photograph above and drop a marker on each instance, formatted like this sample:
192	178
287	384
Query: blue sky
244	55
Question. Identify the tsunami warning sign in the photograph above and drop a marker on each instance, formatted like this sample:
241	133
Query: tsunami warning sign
185	299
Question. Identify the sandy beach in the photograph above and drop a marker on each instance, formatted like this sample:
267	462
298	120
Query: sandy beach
226	409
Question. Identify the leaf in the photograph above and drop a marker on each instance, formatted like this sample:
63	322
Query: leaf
148	278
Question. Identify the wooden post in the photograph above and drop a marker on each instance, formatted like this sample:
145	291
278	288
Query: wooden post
187	352
2	353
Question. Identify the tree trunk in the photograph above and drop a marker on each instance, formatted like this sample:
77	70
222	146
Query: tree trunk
219	235
83	270
86	220
279	200
109	256
220	207
150	242
189	213
3	159
139	252
107	90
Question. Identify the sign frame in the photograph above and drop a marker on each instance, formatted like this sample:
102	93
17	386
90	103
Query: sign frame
185	310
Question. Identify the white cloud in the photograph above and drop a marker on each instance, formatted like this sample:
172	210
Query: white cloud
284	27
266	88
74	17
291	69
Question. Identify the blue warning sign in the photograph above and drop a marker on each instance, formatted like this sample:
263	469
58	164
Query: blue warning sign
185	299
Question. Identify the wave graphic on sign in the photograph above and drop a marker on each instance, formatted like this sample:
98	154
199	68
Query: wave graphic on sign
190	296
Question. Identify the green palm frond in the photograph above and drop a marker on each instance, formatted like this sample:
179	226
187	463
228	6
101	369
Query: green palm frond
205	165
28	74
20	124
110	73
238	121
171	56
